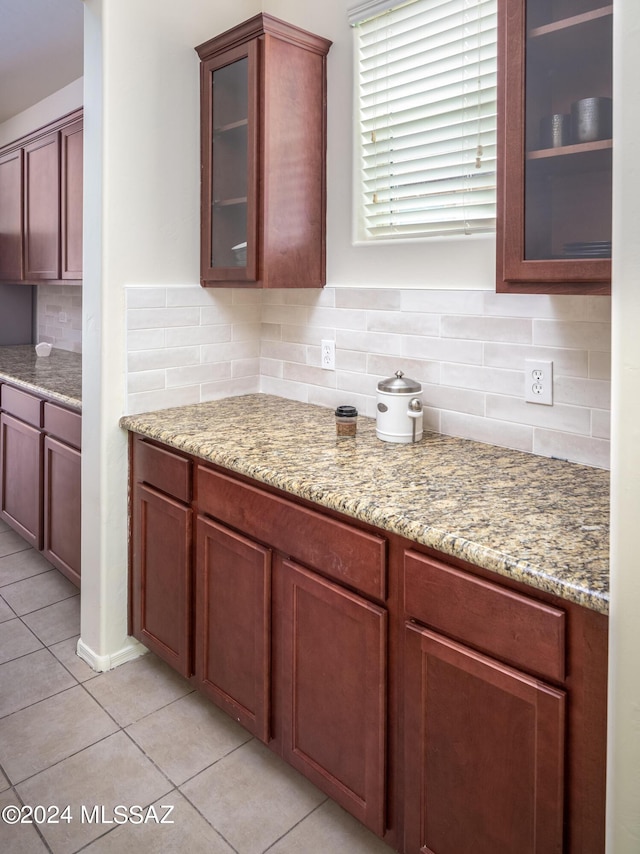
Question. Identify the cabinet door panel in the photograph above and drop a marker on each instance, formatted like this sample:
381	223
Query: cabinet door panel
161	590
484	754
334	690
62	507
11	216
21	478
42	208
71	201
233	624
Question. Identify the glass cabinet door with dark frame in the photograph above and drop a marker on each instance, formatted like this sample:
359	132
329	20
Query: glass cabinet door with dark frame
263	101
555	138
229	175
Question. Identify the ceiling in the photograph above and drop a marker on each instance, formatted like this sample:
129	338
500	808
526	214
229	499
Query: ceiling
40	50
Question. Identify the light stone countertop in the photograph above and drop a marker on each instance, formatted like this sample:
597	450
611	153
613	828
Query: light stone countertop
57	376
540	521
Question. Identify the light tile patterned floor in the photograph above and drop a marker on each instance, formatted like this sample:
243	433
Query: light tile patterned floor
136	736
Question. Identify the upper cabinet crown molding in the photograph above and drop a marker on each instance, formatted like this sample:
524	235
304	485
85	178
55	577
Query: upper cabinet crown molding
263	156
554	147
41	204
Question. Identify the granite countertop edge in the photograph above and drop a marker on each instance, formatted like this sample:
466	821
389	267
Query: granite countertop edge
386	518
57	377
42	391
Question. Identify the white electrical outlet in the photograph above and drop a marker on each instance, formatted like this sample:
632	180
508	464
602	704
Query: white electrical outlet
328	354
538	382
62	317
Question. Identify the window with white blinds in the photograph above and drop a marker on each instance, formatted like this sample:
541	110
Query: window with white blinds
426	136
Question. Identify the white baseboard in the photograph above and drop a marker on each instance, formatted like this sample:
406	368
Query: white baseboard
100	663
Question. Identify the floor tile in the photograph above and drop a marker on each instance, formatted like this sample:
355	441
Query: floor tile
4	526
56	622
18	838
37	737
187	736
30	679
31	594
11	542
23	564
330	828
112	772
136	689
65	652
16	640
189	832
252	797
6	612
4	783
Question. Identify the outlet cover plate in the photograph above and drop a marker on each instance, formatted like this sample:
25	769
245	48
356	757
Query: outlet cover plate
538	381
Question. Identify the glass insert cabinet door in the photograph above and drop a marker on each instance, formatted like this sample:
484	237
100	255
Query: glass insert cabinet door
229	170
555	128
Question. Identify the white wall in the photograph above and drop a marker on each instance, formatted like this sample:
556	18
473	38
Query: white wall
141	227
59	104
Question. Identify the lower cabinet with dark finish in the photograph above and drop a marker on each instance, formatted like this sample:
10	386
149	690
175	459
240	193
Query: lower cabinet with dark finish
160	558
333	689
162	576
449	712
21	478
62	490
40	475
504	717
233	624
484	753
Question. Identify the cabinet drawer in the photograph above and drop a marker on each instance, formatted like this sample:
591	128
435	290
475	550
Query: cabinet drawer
63	424
165	470
342	552
502	623
23	405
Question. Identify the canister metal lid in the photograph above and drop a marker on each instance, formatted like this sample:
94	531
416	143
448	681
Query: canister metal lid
399	385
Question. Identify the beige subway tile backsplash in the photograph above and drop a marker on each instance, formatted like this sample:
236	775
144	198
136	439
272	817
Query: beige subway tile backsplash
467	348
514	329
59	316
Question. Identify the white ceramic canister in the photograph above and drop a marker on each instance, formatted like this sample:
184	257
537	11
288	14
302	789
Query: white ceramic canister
399	409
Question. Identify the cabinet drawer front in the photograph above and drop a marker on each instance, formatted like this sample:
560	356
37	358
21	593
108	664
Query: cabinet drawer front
165	470
340	551
63	424
495	620
23	405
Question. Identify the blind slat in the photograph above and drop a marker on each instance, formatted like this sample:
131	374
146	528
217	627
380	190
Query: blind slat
427	115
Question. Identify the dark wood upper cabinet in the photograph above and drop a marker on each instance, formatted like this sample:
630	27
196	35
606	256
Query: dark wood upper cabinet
554	146
42	208
263	151
11	216
41	205
71	161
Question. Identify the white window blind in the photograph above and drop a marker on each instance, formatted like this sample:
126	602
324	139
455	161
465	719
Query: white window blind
426	86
